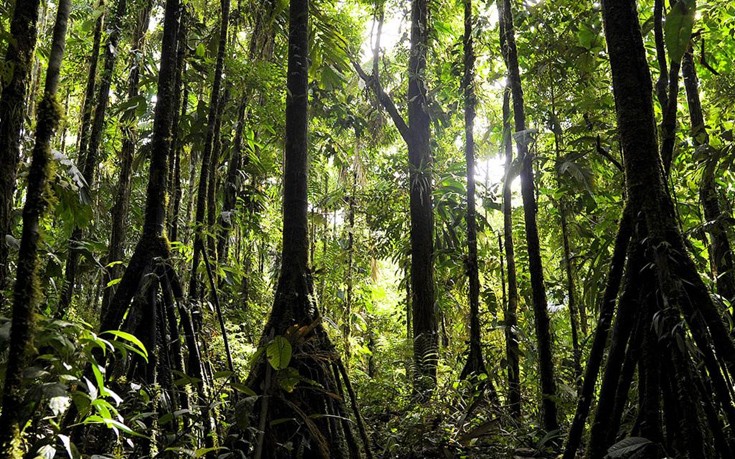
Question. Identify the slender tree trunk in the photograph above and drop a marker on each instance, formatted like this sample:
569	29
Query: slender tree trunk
95	140
19	55
208	147
119	212
511	318
177	144
25	298
541	316
475	364
89	91
723	267
568	268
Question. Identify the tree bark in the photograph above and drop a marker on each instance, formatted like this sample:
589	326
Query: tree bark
294	313
512	349
20	56
201	207
25	298
119	212
91	158
720	249
541	316
475	363
425	336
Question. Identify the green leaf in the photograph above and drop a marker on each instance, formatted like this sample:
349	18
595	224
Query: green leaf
626	447
278	353
139	346
586	37
678	28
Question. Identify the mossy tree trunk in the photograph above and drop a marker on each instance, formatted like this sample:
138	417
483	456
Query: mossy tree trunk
25	297
23	28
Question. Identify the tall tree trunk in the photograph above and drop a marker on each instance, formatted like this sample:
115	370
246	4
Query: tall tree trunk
25	298
723	267
19	55
425	336
511	318
119	212
201	208
294	313
475	364
95	140
416	134
668	288
541	316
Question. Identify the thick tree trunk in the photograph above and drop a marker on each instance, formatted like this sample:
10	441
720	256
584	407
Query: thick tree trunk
19	55
475	364
541	316
25	298
511	318
425	336
662	287
91	159
327	433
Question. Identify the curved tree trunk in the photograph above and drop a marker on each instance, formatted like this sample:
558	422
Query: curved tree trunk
541	316
25	296
20	56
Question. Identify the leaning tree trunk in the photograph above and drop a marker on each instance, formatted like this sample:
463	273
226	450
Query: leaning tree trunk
512	349
91	158
684	402
25	298
541	316
475	364
723	267
294	322
119	212
20	56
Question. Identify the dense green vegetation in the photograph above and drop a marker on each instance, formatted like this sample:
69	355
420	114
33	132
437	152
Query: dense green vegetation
367	228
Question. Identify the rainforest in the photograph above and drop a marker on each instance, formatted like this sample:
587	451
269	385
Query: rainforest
364	229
